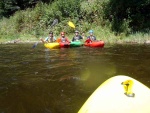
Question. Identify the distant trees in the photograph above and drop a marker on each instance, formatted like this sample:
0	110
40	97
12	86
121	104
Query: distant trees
123	15
8	7
134	14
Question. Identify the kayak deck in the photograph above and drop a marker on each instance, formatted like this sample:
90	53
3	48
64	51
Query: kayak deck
110	97
54	45
95	44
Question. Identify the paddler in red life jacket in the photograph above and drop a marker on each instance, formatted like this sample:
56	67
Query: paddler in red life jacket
77	37
49	39
91	38
63	38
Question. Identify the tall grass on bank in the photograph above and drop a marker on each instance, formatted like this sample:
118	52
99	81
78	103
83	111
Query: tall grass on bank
137	37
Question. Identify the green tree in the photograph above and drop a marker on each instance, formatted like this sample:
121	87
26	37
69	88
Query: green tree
9	7
69	8
135	13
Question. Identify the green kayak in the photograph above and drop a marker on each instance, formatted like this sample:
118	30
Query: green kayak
76	44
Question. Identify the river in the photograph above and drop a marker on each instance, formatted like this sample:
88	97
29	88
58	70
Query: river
60	81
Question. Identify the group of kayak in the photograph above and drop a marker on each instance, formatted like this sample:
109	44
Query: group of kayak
63	42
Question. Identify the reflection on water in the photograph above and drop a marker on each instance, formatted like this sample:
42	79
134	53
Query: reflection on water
60	81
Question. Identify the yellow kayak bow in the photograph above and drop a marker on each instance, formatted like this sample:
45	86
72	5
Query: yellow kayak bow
119	94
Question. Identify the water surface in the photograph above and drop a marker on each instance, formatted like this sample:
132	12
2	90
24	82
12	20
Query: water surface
60	81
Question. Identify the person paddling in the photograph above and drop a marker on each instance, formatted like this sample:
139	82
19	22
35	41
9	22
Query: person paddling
91	37
77	37
49	39
63	38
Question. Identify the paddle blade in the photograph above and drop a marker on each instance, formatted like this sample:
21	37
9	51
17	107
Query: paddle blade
34	45
71	24
54	22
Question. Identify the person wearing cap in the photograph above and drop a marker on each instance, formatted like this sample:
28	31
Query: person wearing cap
77	37
91	37
49	39
63	38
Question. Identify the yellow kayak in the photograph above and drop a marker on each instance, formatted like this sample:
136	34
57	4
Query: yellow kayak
54	45
119	94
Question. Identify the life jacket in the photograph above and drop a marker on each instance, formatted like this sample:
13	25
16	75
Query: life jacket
50	39
62	39
77	38
92	38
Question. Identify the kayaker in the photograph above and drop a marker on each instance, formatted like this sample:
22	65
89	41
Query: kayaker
77	37
49	39
91	38
63	38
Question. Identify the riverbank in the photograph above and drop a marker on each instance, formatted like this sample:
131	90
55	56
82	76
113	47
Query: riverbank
101	34
30	25
19	41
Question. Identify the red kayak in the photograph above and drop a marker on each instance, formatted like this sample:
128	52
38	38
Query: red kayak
95	44
64	44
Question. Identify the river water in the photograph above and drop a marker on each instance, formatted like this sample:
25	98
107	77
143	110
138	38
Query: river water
60	81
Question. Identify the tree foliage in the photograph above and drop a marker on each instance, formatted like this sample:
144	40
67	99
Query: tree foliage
69	8
36	16
9	7
136	13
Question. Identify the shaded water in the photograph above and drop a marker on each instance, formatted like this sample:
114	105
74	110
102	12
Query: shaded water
60	81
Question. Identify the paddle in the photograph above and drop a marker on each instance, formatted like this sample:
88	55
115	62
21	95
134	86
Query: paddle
52	25
71	24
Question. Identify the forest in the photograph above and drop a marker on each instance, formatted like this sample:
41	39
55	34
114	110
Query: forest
112	20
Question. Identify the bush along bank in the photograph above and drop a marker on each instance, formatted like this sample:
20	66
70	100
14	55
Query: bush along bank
106	17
